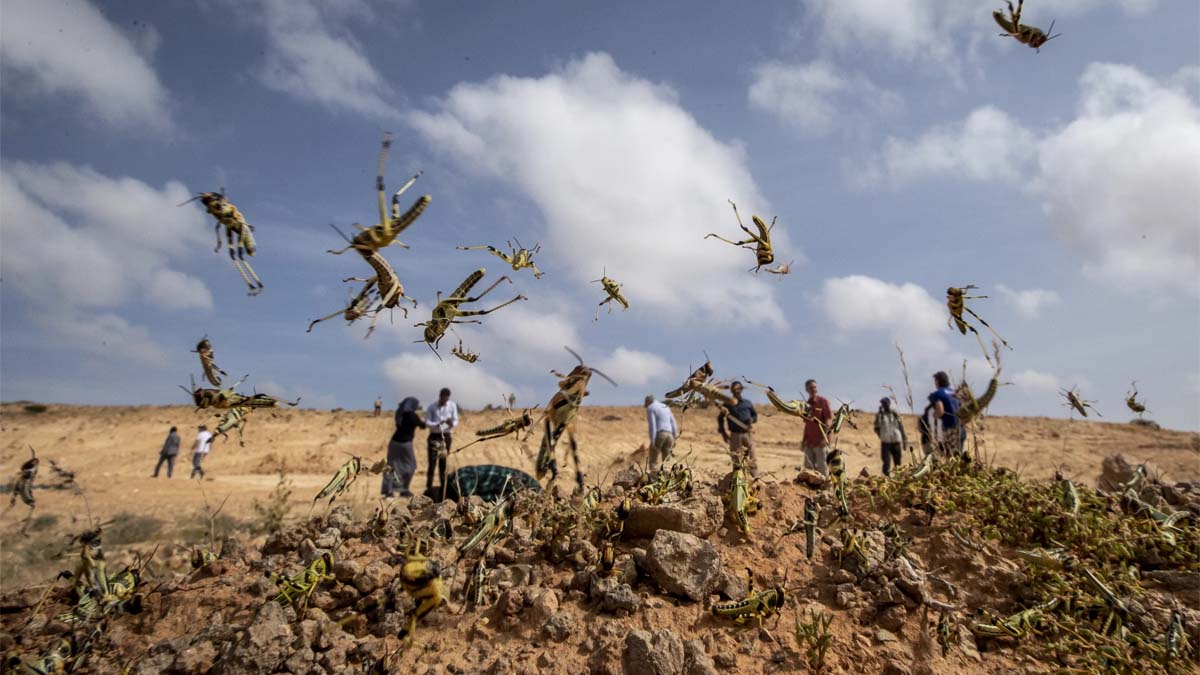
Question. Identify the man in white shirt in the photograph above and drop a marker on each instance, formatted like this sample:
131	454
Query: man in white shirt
199	450
663	432
440	418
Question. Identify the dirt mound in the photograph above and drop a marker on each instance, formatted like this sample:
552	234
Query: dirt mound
950	568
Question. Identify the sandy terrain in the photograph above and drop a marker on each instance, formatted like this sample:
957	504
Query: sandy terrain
113	451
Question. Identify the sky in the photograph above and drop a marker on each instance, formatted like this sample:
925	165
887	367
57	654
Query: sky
904	147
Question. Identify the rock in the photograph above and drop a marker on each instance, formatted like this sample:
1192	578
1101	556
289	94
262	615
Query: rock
892	618
558	627
841	576
883	636
418	503
501	666
700	517
263	646
345	571
629	478
696	661
544	606
197	657
843	599
731	586
682	564
309	551
873	544
513	575
658	653
329	539
511	602
811	478
342	516
377	575
614	595
300	662
503	555
889	595
726	660
895	668
283	541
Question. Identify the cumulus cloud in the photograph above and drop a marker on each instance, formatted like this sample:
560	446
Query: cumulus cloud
423	375
930	30
1037	381
312	55
624	177
102	334
988	145
907	312
69	47
1029	303
75	237
77	240
811	97
633	368
1119	182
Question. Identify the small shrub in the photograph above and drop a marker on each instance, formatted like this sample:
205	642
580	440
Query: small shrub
36	408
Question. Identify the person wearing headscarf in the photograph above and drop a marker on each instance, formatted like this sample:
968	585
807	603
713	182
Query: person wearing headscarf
402	462
892	439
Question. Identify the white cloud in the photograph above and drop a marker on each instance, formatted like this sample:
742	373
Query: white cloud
988	145
70	47
104	335
1120	181
632	368
812	96
1029	303
625	179
1037	381
522	334
76	238
931	30
908	313
423	375
312	55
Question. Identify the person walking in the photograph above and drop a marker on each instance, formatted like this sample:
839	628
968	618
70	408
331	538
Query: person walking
378	405
735	423
440	418
945	415
663	432
200	450
401	460
892	439
815	443
170	450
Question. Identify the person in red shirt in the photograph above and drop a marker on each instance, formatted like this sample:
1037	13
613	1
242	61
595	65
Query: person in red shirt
815	443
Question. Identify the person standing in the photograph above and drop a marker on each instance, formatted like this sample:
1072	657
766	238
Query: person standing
440	418
892	439
378	405
815	443
735	423
945	414
663	432
200	450
170	450
401	459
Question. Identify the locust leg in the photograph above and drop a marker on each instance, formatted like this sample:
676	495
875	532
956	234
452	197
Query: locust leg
989	327
488	290
481	312
537	274
575	455
217	229
728	241
383	151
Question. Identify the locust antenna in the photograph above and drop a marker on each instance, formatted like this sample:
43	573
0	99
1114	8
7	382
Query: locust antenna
597	372
189	201
340	233
575	354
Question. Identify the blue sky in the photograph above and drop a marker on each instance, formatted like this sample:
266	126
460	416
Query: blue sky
903	145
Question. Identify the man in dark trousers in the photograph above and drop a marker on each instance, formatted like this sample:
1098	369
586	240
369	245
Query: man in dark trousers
734	423
401	459
892	438
170	450
441	418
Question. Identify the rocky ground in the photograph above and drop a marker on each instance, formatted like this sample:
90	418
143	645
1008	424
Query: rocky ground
936	555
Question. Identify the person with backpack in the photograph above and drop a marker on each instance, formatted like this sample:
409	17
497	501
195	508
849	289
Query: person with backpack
892	439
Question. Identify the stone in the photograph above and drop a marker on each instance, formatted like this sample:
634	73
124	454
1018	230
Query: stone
501	666
895	668
696	661
329	539
629	478
342	516
299	662
883	636
544	606
683	564
841	576
346	570
513	575
263	646
376	575
658	653
614	595
511	602
811	478
731	586
558	627
700	517
892	618
726	660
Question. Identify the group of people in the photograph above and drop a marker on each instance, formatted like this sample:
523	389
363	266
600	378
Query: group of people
939	427
170	450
